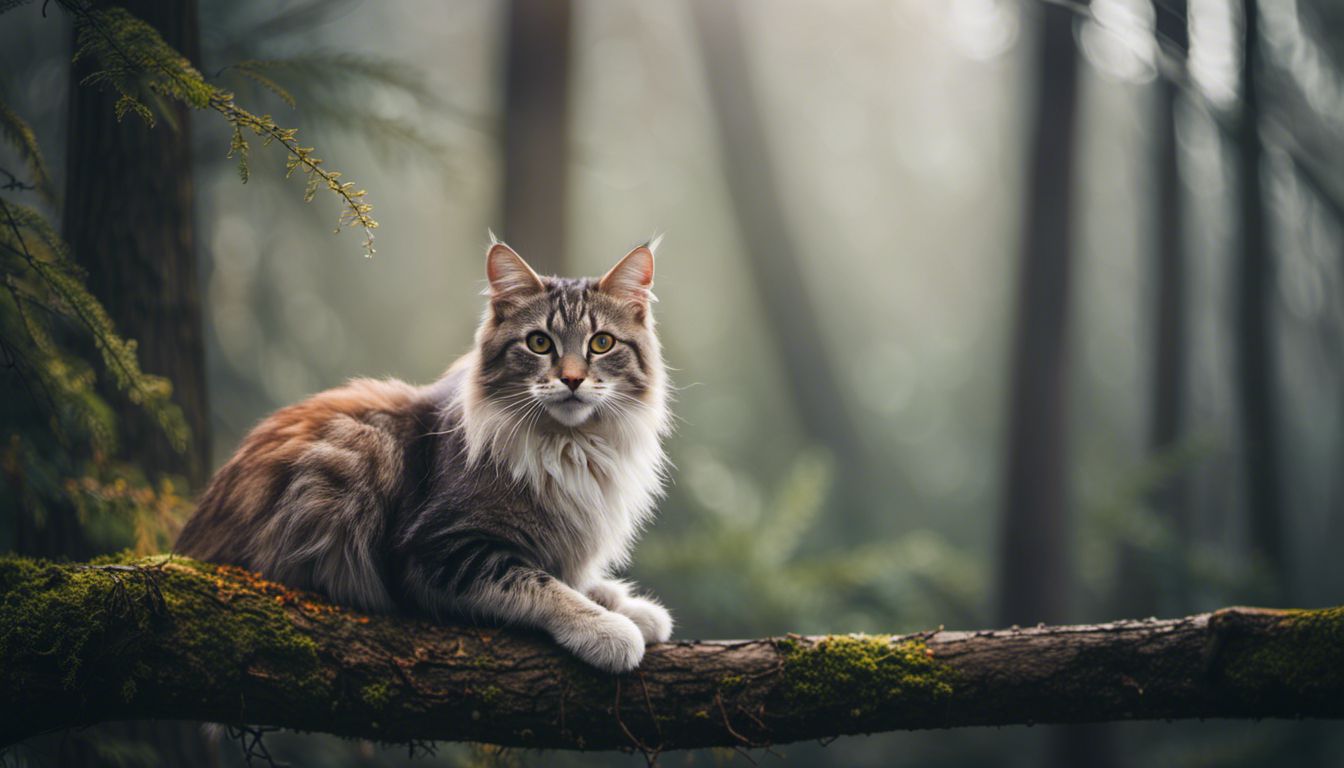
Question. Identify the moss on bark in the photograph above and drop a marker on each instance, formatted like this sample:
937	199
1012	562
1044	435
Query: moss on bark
127	638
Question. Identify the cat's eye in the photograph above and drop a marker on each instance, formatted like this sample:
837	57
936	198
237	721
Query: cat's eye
601	342
539	342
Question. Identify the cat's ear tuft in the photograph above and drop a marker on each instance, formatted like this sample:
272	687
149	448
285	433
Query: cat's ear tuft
511	279
632	278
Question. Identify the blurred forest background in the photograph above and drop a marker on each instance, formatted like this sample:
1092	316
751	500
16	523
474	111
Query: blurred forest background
982	312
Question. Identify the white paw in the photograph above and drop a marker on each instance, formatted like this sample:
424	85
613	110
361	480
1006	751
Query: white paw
653	620
609	641
607	594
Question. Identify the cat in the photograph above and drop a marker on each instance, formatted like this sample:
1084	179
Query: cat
509	491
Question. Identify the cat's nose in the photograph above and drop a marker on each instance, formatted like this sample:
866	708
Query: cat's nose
572	382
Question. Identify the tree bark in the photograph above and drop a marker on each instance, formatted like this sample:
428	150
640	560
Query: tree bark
536	130
171	638
128	220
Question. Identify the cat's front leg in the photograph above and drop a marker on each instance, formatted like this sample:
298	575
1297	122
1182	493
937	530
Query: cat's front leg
653	620
488	579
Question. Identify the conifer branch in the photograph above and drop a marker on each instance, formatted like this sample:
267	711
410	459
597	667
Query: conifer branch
134	60
18	134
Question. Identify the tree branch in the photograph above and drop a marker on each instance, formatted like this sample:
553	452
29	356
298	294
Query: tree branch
174	639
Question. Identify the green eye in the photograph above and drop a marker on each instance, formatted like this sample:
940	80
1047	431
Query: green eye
601	342
539	342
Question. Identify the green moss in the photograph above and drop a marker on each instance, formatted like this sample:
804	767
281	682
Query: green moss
376	694
53	612
489	694
1304	651
865	672
78	621
729	682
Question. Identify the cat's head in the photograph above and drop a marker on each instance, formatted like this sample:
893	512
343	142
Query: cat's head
570	352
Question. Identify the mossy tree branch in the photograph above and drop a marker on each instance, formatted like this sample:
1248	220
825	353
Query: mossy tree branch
171	638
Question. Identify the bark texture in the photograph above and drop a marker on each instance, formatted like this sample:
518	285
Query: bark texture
161	638
129	222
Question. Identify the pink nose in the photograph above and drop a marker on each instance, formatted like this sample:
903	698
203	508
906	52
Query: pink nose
572	382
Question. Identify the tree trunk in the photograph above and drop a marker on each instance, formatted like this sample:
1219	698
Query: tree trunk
1034	539
536	131
129	207
128	220
171	638
1143	581
807	370
1255	333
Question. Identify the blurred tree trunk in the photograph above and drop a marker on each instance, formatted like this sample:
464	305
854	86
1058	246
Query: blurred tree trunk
536	130
128	220
1033	580
776	265
1034	577
1139	586
129	206
1255	334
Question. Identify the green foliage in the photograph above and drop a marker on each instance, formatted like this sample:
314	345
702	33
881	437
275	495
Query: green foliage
754	567
20	136
59	445
59	448
144	70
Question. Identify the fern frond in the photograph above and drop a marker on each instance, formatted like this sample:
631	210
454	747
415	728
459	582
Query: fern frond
20	136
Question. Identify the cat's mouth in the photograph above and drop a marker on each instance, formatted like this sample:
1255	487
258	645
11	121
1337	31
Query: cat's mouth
570	410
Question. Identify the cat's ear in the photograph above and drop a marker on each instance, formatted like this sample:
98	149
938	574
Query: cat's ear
511	279
632	278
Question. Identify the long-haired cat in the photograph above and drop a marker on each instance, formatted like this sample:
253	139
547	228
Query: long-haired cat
510	490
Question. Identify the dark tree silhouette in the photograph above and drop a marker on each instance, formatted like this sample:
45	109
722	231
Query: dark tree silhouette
129	222
129	208
1033	541
1034	575
1139	574
1254	323
536	130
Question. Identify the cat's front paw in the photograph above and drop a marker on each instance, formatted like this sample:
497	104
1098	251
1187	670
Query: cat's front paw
653	620
609	641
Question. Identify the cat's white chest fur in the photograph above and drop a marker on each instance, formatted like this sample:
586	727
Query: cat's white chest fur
602	489
600	482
